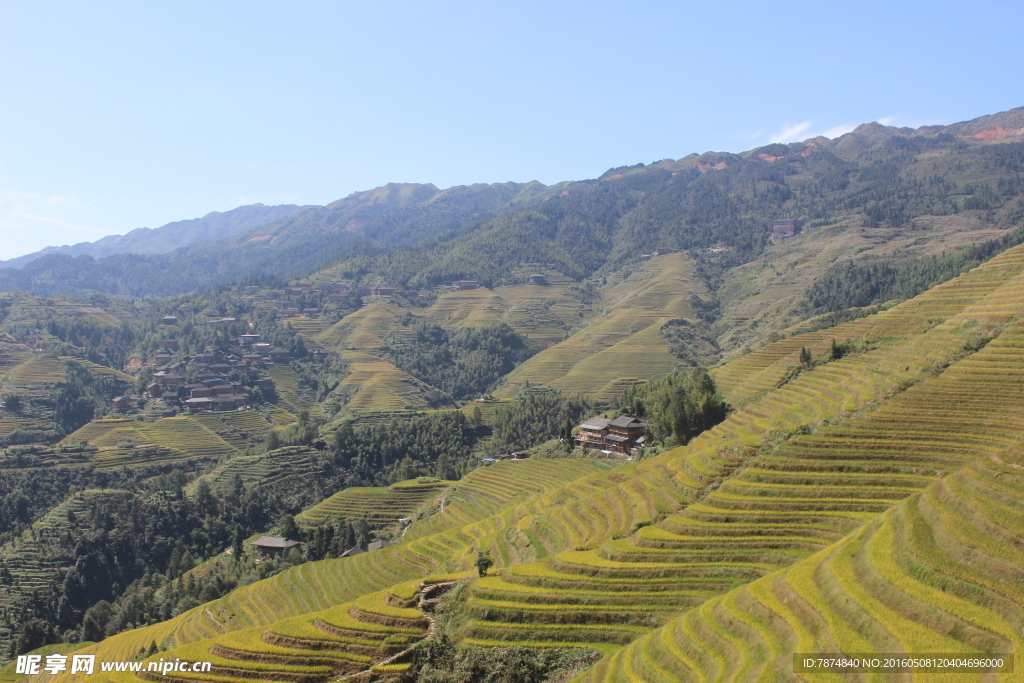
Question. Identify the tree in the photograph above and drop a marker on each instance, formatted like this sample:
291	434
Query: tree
272	441
484	562
97	617
676	407
288	528
836	352
805	358
237	550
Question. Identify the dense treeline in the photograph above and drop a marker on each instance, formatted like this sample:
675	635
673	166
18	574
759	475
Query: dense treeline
535	418
462	363
98	342
676	407
854	283
121	540
690	342
79	393
436	444
25	494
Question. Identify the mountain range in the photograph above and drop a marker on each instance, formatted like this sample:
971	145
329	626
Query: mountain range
666	202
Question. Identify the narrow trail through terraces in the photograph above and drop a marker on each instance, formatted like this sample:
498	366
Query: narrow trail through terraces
427	597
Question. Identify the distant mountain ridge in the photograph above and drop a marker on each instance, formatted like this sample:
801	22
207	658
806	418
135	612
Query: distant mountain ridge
174	235
416	235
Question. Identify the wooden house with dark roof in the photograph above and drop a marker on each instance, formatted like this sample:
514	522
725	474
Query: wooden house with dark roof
273	545
623	434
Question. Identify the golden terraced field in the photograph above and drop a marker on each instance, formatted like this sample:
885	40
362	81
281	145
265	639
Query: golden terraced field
871	504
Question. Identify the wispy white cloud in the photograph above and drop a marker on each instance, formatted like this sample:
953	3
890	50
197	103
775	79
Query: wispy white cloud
807	129
793	132
31	221
836	131
20	212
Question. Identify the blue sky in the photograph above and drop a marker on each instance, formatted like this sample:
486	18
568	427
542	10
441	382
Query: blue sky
118	115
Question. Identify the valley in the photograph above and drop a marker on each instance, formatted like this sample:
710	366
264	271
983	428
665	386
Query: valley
822	341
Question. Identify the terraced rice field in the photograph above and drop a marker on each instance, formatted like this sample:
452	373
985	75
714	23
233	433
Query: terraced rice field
789	507
97	369
31	377
373	383
487	408
540	313
178	437
240	428
802	496
378	506
479	307
8	423
365	329
307	326
12	355
364	635
625	344
37	369
273	467
286	383
92	431
443	542
870	504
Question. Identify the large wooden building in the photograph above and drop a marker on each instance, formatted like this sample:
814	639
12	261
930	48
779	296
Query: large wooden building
273	545
624	434
785	227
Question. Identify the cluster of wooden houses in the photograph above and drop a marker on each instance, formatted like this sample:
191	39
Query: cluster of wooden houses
252	351
212	388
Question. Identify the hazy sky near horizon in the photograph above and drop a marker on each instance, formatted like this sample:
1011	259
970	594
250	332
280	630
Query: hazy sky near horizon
120	115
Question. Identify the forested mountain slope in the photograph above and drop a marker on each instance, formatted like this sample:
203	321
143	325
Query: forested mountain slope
876	176
391	214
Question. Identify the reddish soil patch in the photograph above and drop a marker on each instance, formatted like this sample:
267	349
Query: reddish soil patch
704	168
810	149
355	224
997	133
